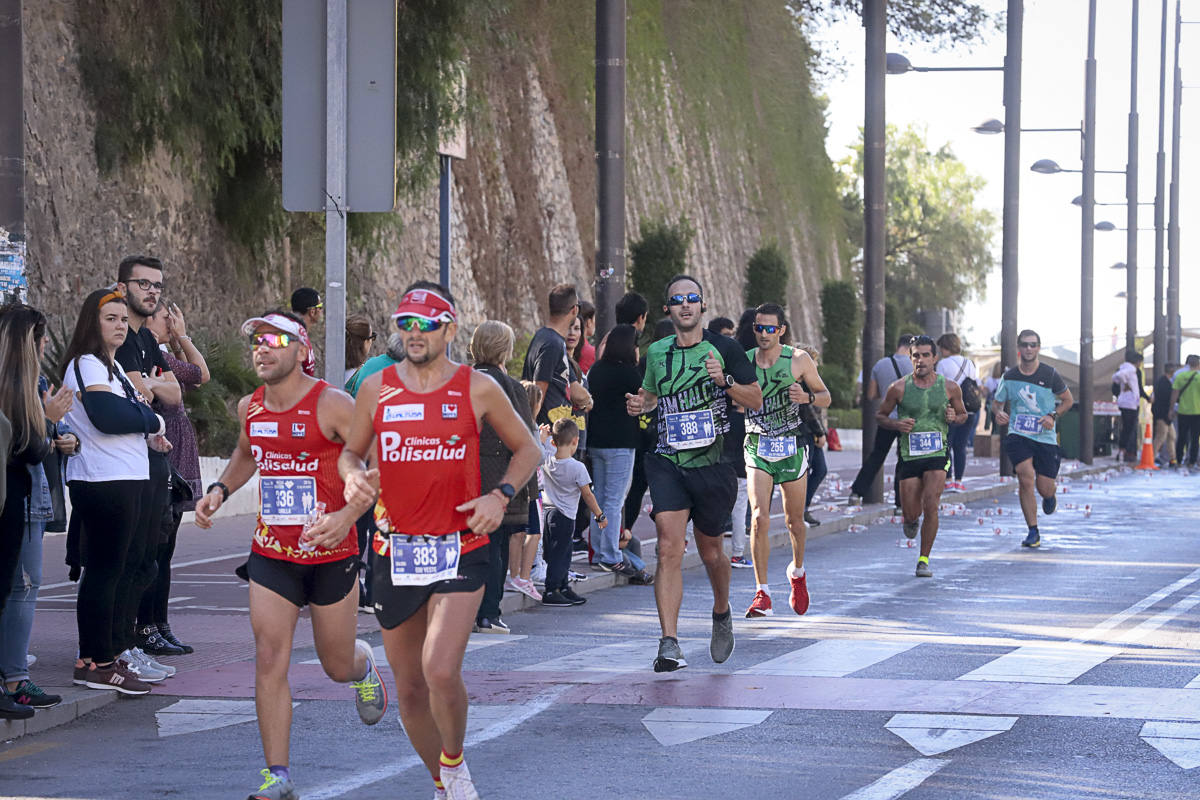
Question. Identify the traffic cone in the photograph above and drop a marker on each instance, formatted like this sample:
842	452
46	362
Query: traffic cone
1147	461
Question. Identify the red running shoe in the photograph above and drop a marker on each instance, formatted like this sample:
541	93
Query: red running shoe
760	606
798	599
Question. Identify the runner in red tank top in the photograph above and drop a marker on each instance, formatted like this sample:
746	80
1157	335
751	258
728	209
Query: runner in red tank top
305	550
424	416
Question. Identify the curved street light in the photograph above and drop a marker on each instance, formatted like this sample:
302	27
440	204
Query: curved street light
991	126
1105	225
898	64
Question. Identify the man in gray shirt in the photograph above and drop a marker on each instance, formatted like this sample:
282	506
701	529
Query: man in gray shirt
886	371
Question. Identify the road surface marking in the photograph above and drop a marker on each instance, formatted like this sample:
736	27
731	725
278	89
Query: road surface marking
478	641
240	554
193	716
899	781
522	713
671	726
1178	741
933	734
830	658
629	656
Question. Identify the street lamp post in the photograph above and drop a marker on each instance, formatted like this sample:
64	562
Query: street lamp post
1160	166
1174	333
1086	245
1010	215
1131	186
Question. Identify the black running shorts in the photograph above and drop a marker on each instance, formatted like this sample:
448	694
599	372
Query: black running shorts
917	467
305	584
395	604
1046	457
709	492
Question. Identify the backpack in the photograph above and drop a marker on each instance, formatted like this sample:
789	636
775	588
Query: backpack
970	389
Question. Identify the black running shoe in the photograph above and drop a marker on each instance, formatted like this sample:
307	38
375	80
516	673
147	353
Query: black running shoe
576	600
1034	539
670	657
1049	504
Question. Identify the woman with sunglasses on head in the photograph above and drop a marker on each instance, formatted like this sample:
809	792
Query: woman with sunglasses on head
106	480
21	329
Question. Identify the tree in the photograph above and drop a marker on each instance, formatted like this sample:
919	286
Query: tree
659	255
767	276
937	22
939	243
840	324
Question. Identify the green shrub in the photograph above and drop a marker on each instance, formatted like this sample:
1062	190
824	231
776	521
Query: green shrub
656	257
767	276
845	418
840	382
840	322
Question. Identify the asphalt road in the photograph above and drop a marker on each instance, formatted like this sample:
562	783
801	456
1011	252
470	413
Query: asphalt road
1064	672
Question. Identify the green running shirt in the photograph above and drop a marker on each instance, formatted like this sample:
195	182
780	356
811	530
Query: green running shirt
779	415
678	377
928	408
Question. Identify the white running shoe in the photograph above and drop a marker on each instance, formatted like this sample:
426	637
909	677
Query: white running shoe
142	670
155	664
458	783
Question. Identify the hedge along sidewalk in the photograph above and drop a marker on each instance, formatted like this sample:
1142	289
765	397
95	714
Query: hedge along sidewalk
876	512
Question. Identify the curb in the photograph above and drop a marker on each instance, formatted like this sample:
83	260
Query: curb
76	702
513	602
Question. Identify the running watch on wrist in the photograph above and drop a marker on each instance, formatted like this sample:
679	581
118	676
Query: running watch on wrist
728	380
507	490
218	485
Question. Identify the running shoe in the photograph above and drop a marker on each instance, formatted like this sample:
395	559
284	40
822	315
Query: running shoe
370	693
30	694
575	599
604	566
1049	504
720	647
142	670
642	578
572	575
1034	539
458	783
486	625
798	597
854	500
525	586
923	570
670	657
760	606
11	709
274	788
439	794
154	663
627	569
810	519
740	562
114	677
555	600
30	659
80	675
911	529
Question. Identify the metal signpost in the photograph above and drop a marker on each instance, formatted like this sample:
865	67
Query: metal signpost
339	130
12	154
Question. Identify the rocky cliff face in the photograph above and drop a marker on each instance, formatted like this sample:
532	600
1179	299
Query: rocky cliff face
722	128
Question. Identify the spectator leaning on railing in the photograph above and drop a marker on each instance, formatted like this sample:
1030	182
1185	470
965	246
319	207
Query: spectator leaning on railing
107	481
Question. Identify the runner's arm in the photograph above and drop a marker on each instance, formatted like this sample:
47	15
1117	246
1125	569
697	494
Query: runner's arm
956	408
335	416
805	369
362	484
1065	402
641	403
240	469
890	400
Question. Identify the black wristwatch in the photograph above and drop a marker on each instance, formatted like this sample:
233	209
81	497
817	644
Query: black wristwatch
729	381
218	485
507	490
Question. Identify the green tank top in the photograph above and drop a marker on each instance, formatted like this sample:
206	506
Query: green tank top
779	416
928	407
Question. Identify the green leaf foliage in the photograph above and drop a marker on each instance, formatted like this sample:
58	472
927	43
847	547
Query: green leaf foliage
213	407
767	277
938	241
940	23
659	255
840	322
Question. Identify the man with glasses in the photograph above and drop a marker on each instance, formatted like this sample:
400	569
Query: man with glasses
140	278
422	417
927	404
305	547
777	443
1029	400
691	377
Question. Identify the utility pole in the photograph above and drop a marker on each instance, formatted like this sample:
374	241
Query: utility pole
1012	188
1160	179
874	210
1087	243
610	161
1174	324
1131	192
336	206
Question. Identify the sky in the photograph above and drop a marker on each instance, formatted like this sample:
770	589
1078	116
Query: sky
948	105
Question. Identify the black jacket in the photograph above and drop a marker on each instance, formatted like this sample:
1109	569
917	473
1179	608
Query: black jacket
494	455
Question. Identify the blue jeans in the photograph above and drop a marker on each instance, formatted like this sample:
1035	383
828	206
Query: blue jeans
633	554
16	624
612	473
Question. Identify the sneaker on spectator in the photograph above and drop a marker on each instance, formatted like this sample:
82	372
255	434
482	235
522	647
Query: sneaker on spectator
30	694
143	672
80	676
740	562
579	545
555	600
572	575
627	569
854	500
486	625
525	586
155	664
114	676
576	600
810	519
604	566
642	578
30	659
538	573
510	583
11	709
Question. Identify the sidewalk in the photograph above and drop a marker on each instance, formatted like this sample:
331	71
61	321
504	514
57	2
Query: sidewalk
223	636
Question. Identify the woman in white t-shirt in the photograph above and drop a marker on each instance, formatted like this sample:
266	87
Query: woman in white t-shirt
954	366
106	480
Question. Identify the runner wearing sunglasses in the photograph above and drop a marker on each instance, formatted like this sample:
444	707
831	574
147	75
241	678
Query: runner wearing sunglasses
305	548
1029	400
691	378
430	554
777	443
927	403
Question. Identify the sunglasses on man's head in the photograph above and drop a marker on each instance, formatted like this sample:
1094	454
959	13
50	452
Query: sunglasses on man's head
275	341
1029	345
767	328
417	324
680	299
